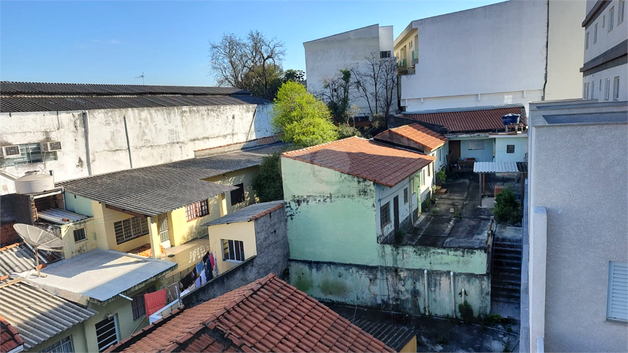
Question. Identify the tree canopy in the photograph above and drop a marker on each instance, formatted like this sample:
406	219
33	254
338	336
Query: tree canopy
301	119
267	183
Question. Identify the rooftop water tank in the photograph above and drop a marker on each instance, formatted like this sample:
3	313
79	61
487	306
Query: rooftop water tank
33	182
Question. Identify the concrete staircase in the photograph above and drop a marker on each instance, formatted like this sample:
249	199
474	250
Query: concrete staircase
506	271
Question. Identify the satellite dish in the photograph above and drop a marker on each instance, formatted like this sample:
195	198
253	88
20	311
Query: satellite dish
39	239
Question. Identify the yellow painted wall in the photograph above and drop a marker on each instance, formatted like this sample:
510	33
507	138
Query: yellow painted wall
182	230
78	339
244	176
73	248
242	231
410	347
104	218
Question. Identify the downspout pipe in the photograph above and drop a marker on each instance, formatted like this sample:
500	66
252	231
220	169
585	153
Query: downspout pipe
88	159
427	302
453	292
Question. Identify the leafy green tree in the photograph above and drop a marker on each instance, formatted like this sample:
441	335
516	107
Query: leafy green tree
301	119
507	208
297	76
267	183
337	95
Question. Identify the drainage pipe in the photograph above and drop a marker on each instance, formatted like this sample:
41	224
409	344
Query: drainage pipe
88	158
453	292
427	303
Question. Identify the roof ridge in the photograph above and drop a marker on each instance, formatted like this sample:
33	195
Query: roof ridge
287	153
11	246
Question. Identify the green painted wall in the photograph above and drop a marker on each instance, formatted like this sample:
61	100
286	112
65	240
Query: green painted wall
78	204
429	258
78	339
331	216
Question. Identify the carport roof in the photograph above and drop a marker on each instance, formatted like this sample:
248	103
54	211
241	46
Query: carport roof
500	167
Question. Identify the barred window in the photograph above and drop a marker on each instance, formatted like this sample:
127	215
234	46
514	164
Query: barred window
107	332
130	228
64	345
79	235
196	210
384	215
29	153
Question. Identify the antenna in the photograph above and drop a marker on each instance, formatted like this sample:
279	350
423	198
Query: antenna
142	77
39	239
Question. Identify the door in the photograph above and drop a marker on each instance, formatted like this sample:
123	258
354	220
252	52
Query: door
396	213
454	152
164	230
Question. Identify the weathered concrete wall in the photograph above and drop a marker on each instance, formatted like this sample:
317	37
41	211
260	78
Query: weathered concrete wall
156	136
271	236
390	287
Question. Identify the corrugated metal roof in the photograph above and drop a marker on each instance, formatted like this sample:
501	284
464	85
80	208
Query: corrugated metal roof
249	213
472	120
18	258
162	188
37	314
394	336
59	216
48	88
495	167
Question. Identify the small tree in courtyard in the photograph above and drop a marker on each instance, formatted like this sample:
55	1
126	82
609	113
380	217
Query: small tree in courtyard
507	208
301	119
267	183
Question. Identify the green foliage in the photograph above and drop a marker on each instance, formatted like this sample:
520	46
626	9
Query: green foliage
441	176
337	98
301	119
267	184
346	130
466	311
507	208
297	76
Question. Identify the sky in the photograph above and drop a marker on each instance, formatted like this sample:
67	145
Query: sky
168	42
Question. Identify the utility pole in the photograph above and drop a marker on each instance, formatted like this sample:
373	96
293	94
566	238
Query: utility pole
142	77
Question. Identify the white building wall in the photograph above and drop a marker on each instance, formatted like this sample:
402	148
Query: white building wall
156	136
605	39
595	84
489	56
520	143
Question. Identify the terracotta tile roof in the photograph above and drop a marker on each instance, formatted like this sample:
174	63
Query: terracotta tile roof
267	315
476	120
414	134
9	337
365	159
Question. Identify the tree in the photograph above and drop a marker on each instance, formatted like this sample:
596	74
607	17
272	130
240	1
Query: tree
507	208
267	183
253	64
337	94
376	82
297	76
301	119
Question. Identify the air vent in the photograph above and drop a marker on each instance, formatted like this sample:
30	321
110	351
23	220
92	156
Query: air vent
51	146
12	151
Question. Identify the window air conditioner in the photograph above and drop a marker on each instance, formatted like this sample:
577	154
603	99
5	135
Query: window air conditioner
12	151
51	146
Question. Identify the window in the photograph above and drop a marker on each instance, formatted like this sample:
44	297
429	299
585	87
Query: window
611	18
405	196
586	40
585	90
106	332
233	250
620	11
607	89
384	54
617	305
64	345
29	153
510	148
595	34
237	195
476	144
384	215
592	89
130	228
79	235
138	305
603	21
196	210
616	88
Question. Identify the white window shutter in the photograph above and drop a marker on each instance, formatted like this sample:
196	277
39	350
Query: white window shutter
618	291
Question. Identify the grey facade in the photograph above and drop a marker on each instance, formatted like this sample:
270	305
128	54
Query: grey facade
578	197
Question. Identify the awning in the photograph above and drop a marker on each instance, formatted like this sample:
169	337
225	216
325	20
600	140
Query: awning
500	167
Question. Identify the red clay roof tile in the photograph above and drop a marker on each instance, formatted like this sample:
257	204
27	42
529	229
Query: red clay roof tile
364	158
413	135
476	120
9	337
311	327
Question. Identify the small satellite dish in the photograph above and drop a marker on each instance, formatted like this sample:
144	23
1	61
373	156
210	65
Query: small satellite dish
39	239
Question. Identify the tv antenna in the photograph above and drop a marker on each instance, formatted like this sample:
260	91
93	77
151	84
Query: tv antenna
39	239
142	77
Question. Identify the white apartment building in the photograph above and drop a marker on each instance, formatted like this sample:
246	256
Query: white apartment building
605	70
512	52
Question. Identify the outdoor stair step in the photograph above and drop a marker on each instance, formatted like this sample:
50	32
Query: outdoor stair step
507	269
507	255
506	276
500	245
507	282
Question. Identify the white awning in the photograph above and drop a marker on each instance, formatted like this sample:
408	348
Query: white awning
495	167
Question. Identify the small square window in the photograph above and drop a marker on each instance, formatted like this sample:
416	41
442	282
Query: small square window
405	196
237	195
79	235
196	210
384	215
384	54
510	148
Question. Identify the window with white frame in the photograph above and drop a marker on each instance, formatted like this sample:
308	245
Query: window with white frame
405	196
585	90
475	144
196	210
616	88
384	215
611	18
607	89
64	345
384	54
617	305
233	250
592	89
79	235
620	11
130	228
107	332
29	153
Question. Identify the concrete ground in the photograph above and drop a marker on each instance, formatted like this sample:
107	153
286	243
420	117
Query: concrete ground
444	335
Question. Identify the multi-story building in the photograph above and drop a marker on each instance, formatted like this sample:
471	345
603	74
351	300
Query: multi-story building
605	51
512	52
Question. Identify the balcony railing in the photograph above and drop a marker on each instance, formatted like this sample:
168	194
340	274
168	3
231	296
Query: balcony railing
415	56
402	63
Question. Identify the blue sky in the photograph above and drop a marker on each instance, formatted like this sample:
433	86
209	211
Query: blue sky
115	41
